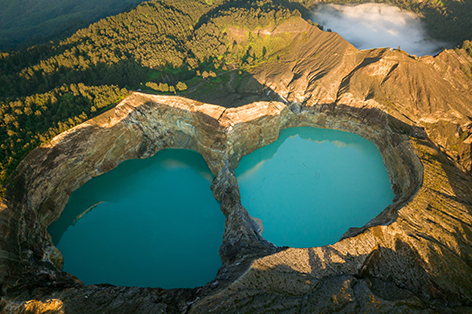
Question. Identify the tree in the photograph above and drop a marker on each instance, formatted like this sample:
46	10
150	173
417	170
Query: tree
181	86
163	87
152	85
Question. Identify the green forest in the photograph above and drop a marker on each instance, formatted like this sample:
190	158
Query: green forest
28	22
160	46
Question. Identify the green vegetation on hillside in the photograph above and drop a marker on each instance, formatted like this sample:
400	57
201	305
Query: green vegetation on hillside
467	46
28	22
33	120
161	46
466	49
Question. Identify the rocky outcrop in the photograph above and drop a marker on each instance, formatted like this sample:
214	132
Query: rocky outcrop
415	256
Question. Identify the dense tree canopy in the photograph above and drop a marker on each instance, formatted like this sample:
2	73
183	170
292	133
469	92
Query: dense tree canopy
158	46
28	22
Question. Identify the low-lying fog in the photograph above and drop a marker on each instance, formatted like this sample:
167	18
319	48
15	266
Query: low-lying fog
373	25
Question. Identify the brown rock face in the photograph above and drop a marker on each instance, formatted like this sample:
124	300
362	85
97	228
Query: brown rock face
415	256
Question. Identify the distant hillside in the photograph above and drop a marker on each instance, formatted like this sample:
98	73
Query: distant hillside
27	22
445	20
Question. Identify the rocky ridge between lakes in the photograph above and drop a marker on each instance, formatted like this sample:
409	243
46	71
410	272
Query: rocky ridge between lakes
415	256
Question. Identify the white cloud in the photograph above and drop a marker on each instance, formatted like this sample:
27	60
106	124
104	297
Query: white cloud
374	25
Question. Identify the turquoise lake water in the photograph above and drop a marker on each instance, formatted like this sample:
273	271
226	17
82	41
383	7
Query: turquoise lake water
312	184
148	223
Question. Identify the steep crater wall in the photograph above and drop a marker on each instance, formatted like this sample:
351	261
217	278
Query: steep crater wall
143	124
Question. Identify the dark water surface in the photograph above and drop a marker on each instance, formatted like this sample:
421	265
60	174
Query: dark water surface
312	184
147	223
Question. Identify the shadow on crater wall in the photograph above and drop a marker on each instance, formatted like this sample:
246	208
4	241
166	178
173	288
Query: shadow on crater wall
231	89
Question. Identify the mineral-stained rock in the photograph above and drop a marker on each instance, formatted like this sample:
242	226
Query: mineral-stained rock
414	257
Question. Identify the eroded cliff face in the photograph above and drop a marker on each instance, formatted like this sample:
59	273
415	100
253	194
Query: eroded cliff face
415	256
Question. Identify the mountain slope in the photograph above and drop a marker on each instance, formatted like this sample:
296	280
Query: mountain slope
24	23
48	89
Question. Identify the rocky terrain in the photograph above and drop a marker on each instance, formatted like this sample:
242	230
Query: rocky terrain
414	257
